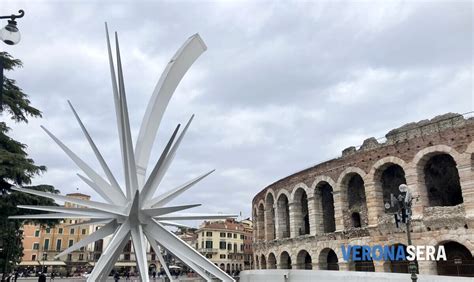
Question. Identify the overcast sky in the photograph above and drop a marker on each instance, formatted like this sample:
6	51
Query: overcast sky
282	86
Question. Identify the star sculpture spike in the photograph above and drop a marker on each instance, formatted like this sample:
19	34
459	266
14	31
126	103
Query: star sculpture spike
132	211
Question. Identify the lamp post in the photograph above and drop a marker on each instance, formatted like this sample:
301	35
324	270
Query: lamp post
11	36
402	203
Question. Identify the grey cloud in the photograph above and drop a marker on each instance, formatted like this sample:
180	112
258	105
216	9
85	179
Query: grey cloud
282	85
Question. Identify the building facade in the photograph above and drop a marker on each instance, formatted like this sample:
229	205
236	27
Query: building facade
227	243
41	245
302	220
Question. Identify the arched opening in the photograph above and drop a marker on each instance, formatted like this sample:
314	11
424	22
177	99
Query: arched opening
257	265
303	260
285	261
356	200
272	264
261	222
269	217
397	265
255	223
328	260
228	268
263	262
283	211
459	261
222	266
355	219
300	211
364	265
324	193
151	268
390	180
442	181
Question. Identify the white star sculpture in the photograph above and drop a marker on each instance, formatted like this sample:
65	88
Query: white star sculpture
136	214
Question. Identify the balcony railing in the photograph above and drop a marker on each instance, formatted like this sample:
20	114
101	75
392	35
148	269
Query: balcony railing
207	250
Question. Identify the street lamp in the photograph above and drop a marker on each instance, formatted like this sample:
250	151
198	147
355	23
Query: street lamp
402	203
10	33
11	36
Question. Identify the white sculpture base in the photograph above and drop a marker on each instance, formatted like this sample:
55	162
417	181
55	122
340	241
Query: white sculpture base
300	275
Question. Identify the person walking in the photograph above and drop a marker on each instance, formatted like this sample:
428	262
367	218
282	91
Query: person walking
116	276
42	277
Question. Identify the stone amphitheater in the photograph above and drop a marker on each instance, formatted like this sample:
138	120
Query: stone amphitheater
301	221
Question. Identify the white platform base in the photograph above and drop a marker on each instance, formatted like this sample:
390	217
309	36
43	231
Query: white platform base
285	275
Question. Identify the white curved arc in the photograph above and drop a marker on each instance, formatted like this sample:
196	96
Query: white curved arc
103	232
101	183
87	203
98	155
168	196
164	89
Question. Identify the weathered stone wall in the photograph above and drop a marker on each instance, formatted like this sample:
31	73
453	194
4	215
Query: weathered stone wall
411	147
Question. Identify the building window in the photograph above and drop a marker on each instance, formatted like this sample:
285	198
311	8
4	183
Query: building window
202	234
83	232
71	231
33	257
202	244
37	233
222	256
36	246
208	244
209	234
45	256
71	242
60	230
235	236
229	247
126	257
97	256
241	236
222	245
153	257
48	230
58	245
69	257
46	244
242	247
229	235
222	234
209	256
82	249
81	256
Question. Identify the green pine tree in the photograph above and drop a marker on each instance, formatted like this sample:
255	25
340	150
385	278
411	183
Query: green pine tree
16	169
